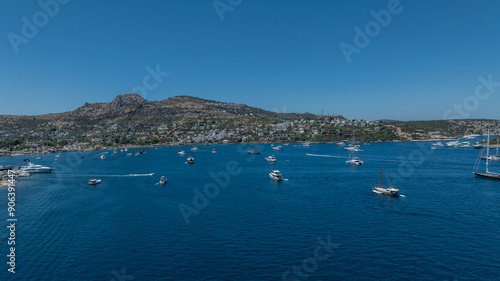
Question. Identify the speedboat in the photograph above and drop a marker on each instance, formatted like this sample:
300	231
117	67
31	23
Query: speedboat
353	148
465	144
437	144
181	152
194	148
271	158
306	144
279	147
58	155
94	181
276	175
103	157
341	143
253	151
163	180
477	145
214	151
32	168
129	154
137	154
354	161
190	160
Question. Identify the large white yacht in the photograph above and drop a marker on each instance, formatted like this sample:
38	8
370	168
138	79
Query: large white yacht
276	175
32	168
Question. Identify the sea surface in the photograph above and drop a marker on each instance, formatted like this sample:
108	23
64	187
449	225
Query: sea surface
322	223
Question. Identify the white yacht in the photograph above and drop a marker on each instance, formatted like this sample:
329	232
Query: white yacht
190	160
353	148
32	168
354	161
276	175
465	144
341	143
271	158
103	157
181	152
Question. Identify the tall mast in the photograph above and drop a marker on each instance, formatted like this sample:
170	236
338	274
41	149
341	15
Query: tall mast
389	178
380	184
488	150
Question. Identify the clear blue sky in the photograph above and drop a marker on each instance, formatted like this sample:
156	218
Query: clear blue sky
277	55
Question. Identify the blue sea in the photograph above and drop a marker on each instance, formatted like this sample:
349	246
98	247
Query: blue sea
222	218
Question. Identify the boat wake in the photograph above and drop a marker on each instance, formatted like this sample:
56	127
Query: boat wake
109	176
320	155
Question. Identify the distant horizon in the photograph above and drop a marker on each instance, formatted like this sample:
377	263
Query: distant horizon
385	59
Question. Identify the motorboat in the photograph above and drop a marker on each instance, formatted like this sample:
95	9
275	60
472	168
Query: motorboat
214	151
279	147
253	151
94	181
477	145
58	156
276	175
271	158
181	152
353	148
103	157
163	180
465	144
341	143
137	154
32	168
190	160
194	148
354	161
129	154
387	190
306	144
437	144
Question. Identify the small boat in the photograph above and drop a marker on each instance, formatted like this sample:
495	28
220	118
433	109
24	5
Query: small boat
38	158
58	156
142	151
81	156
126	149
137	154
190	160
121	150
253	151
437	144
477	145
194	148
276	175
341	143
306	144
434	147
181	152
354	161
465	144
103	157
271	158
94	181
115	151
163	180
214	151
279	147
353	148
387	190
129	154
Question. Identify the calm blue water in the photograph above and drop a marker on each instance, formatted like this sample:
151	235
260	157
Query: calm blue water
446	228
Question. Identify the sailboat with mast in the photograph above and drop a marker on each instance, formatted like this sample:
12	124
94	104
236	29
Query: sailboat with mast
387	190
487	174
